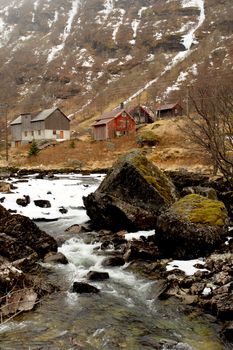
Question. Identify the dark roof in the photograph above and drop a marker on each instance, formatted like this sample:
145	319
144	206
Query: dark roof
144	108
44	114
38	116
168	106
108	116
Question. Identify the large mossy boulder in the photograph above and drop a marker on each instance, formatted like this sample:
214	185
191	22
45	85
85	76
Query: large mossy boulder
131	196
192	227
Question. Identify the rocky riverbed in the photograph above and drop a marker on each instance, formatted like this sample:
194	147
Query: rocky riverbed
130	263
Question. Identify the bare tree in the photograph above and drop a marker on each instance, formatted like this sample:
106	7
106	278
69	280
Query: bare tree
211	124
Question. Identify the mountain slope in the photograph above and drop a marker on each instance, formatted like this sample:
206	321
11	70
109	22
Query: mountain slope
88	55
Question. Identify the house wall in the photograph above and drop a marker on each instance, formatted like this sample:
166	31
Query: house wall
16	132
122	125
57	121
100	132
55	127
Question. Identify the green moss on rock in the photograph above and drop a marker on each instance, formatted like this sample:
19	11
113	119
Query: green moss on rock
198	209
155	177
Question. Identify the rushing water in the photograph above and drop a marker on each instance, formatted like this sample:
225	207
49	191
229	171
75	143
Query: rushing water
124	315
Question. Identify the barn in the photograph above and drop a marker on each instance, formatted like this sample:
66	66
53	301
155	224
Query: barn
112	124
49	124
142	114
169	110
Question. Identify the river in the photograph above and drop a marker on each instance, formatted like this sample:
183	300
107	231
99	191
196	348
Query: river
125	314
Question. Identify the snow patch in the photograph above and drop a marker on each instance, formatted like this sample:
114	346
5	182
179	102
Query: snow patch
185	265
71	15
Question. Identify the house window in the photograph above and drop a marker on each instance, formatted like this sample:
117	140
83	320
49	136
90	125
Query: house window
32	133
39	132
25	133
54	132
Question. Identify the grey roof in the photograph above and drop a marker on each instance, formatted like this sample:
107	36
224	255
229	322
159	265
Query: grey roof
16	121
44	114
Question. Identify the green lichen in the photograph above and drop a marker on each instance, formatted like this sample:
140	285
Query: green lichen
198	209
155	177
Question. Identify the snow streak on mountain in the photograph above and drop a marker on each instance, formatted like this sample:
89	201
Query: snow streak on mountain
87	55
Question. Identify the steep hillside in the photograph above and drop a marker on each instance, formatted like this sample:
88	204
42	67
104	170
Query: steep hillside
86	56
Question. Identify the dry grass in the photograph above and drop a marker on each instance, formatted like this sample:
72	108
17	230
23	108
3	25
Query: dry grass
174	151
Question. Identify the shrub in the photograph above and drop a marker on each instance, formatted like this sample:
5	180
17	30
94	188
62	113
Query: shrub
34	150
147	138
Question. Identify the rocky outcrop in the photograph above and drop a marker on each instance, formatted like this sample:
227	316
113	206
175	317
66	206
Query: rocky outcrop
21	237
131	196
192	227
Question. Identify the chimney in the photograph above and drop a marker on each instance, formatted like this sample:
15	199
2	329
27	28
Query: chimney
122	105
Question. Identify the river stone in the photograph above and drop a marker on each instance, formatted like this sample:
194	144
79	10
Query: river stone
55	258
27	234
131	196
5	187
42	203
113	261
97	275
81	287
139	249
23	201
192	227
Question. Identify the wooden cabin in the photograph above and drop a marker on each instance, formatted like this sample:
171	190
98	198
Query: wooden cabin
49	124
169	110
142	114
113	124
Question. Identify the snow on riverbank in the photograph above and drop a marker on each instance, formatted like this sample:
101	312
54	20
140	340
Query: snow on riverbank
62	191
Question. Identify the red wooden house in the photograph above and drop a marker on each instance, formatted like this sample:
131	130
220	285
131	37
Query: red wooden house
112	124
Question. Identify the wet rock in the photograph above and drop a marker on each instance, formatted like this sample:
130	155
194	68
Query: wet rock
23	202
77	229
183	179
63	210
192	227
97	276
81	287
113	261
42	203
13	249
26	233
137	249
202	191
55	258
227	331
120	203
222	306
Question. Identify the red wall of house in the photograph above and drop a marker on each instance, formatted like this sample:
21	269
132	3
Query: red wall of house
122	125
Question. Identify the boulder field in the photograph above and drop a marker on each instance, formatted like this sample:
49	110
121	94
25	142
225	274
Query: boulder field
189	222
136	195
